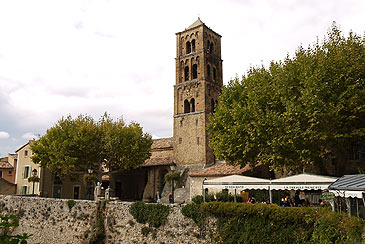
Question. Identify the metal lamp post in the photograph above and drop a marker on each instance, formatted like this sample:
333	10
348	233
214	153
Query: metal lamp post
90	171
173	168
34	173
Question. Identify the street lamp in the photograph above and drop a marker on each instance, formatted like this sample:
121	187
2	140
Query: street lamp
203	189
173	168
34	174
90	171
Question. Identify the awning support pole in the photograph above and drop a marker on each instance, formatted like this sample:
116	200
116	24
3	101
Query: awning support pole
235	195
270	195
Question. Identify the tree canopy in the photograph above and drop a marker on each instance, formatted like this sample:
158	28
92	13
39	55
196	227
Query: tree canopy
74	145
295	112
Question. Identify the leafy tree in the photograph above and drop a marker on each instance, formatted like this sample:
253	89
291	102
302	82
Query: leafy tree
295	112
74	145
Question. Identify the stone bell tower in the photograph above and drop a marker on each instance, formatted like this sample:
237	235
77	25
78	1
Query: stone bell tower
199	80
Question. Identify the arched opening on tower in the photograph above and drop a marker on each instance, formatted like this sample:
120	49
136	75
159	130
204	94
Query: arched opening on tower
186	72
195	71
193	45
192	103
214	74
208	71
188	47
211	47
186	106
208	46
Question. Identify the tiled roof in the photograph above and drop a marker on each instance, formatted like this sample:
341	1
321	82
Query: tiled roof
195	24
221	170
4	159
5	165
162	143
157	161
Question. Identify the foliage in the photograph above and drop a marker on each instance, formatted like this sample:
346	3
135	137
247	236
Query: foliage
33	178
265	223
98	228
192	211
7	224
70	204
153	214
74	145
297	111
172	176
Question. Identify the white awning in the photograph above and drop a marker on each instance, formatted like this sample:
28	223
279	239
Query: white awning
354	194
302	182
237	182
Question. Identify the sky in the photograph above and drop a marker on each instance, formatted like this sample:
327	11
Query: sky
60	58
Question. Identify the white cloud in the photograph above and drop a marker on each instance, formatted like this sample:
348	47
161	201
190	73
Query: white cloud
29	136
4	135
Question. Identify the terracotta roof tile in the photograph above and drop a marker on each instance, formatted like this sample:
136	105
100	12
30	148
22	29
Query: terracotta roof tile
5	165
221	170
157	161
162	143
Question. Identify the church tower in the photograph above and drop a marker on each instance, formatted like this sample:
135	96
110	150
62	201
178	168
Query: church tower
199	80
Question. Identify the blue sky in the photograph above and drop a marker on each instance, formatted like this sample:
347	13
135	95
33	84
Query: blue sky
90	57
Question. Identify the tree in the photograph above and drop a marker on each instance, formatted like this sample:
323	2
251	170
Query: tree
297	111
74	145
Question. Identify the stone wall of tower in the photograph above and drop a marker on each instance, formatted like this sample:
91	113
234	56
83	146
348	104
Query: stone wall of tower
199	79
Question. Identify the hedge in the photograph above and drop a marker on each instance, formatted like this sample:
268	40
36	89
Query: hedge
263	223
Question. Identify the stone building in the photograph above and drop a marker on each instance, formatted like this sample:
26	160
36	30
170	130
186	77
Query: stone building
7	174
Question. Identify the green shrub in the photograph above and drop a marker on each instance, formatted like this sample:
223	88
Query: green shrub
7	224
193	211
70	204
197	199
153	214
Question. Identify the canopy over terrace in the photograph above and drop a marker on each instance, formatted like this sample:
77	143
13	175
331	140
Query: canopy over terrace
237	182
302	182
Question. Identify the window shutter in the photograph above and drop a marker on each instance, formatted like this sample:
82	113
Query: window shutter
27	190
21	190
23	172
29	171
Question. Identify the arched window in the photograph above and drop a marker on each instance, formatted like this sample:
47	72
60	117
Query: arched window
195	71
214	74
186	73
188	47
186	106
208	71
211	47
192	103
208	46
193	45
212	105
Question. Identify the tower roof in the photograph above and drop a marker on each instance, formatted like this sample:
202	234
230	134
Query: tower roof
196	23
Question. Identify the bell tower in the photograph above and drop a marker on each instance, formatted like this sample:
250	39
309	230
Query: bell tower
199	80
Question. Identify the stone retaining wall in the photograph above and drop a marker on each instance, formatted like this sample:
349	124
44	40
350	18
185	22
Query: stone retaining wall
51	221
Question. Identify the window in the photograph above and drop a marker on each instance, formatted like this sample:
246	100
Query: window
181	123
195	71
26	172
196	122
26	153
192	103
1	174
10	172
357	152
180	140
214	74
186	106
186	73
188	47
193	45
211	47
208	46
197	140
208	71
